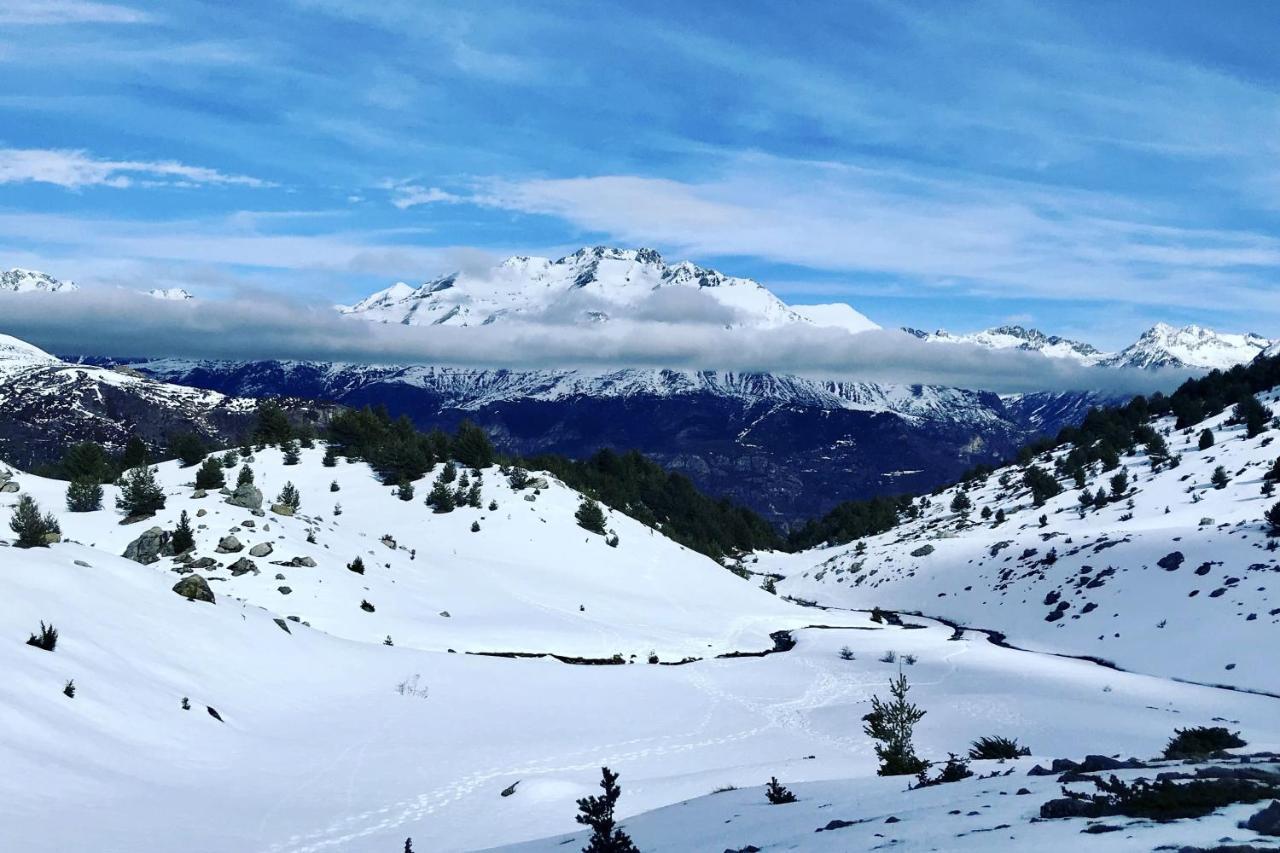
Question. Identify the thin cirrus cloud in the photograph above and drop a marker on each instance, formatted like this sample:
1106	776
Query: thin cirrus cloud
50	12
75	169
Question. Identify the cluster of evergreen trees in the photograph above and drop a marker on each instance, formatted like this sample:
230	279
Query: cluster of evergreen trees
633	484
398	451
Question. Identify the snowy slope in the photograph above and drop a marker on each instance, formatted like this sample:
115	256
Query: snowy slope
173	294
592	285
1092	584
318	749
1018	337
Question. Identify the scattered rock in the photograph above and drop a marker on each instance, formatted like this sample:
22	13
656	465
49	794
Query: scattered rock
299	562
282	509
202	563
284	590
262	549
213	713
366	607
242	566
1267	821
9	487
1170	562
83	564
284	626
1068	807
194	588
247	496
510	789
228	545
150	546
199	493
922	551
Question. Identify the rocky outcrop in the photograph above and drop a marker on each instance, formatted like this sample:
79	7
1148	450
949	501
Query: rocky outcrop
150	546
242	566
262	549
194	588
247	496
229	545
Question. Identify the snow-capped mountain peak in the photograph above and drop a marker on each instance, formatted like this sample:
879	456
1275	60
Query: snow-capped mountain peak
1189	346
593	284
18	280
173	294
1018	337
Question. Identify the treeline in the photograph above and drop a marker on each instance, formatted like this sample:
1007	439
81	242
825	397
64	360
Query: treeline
853	520
633	484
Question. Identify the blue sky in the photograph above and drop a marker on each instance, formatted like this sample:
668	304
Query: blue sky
1088	168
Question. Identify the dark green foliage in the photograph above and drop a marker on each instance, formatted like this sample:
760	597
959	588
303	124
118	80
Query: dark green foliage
47	639
961	503
84	495
1119	485
891	725
356	565
135	453
778	794
1273	473
474	498
471	446
211	475
475	527
449	472
245	477
183	536
289	496
140	493
440	498
187	448
1206	439
1043	485
291	453
86	461
1201	741
995	747
395	449
1171	800
639	487
851	520
1220	478
1272	517
597	813
954	770
404	490
1252	414
273	425
330	457
590	516
69	689
33	527
1157	449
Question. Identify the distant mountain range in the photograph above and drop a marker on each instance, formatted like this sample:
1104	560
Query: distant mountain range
790	447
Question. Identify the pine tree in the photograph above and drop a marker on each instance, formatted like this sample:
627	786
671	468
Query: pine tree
291	453
84	494
140	493
891	724
778	794
1119	484
289	496
449	473
440	498
183	537
356	565
187	448
273	425
472	447
86	461
597	813
245	477
404	490
590	516
1157	450
1272	517
210	476
1000	516
961	504
474	498
135	453
1220	478
1206	439
32	527
330	457
1273	473
1252	414
1043	485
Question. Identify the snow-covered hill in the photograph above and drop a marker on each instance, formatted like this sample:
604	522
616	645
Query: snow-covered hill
1161	346
327	739
47	404
591	285
1178	578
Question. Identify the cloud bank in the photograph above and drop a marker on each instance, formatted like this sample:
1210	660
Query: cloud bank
122	323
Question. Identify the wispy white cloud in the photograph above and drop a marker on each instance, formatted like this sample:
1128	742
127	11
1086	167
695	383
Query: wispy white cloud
75	170
405	195
49	12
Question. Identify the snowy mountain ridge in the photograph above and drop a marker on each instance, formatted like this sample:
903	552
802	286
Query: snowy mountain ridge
19	280
594	284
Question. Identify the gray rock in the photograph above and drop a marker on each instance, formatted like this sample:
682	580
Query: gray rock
242	566
282	509
83	563
1068	807
51	538
283	590
201	513
1267	821
195	588
202	563
284	626
279	577
229	545
247	496
303	561
1094	763
262	549
199	493
250	523
150	546
9	487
